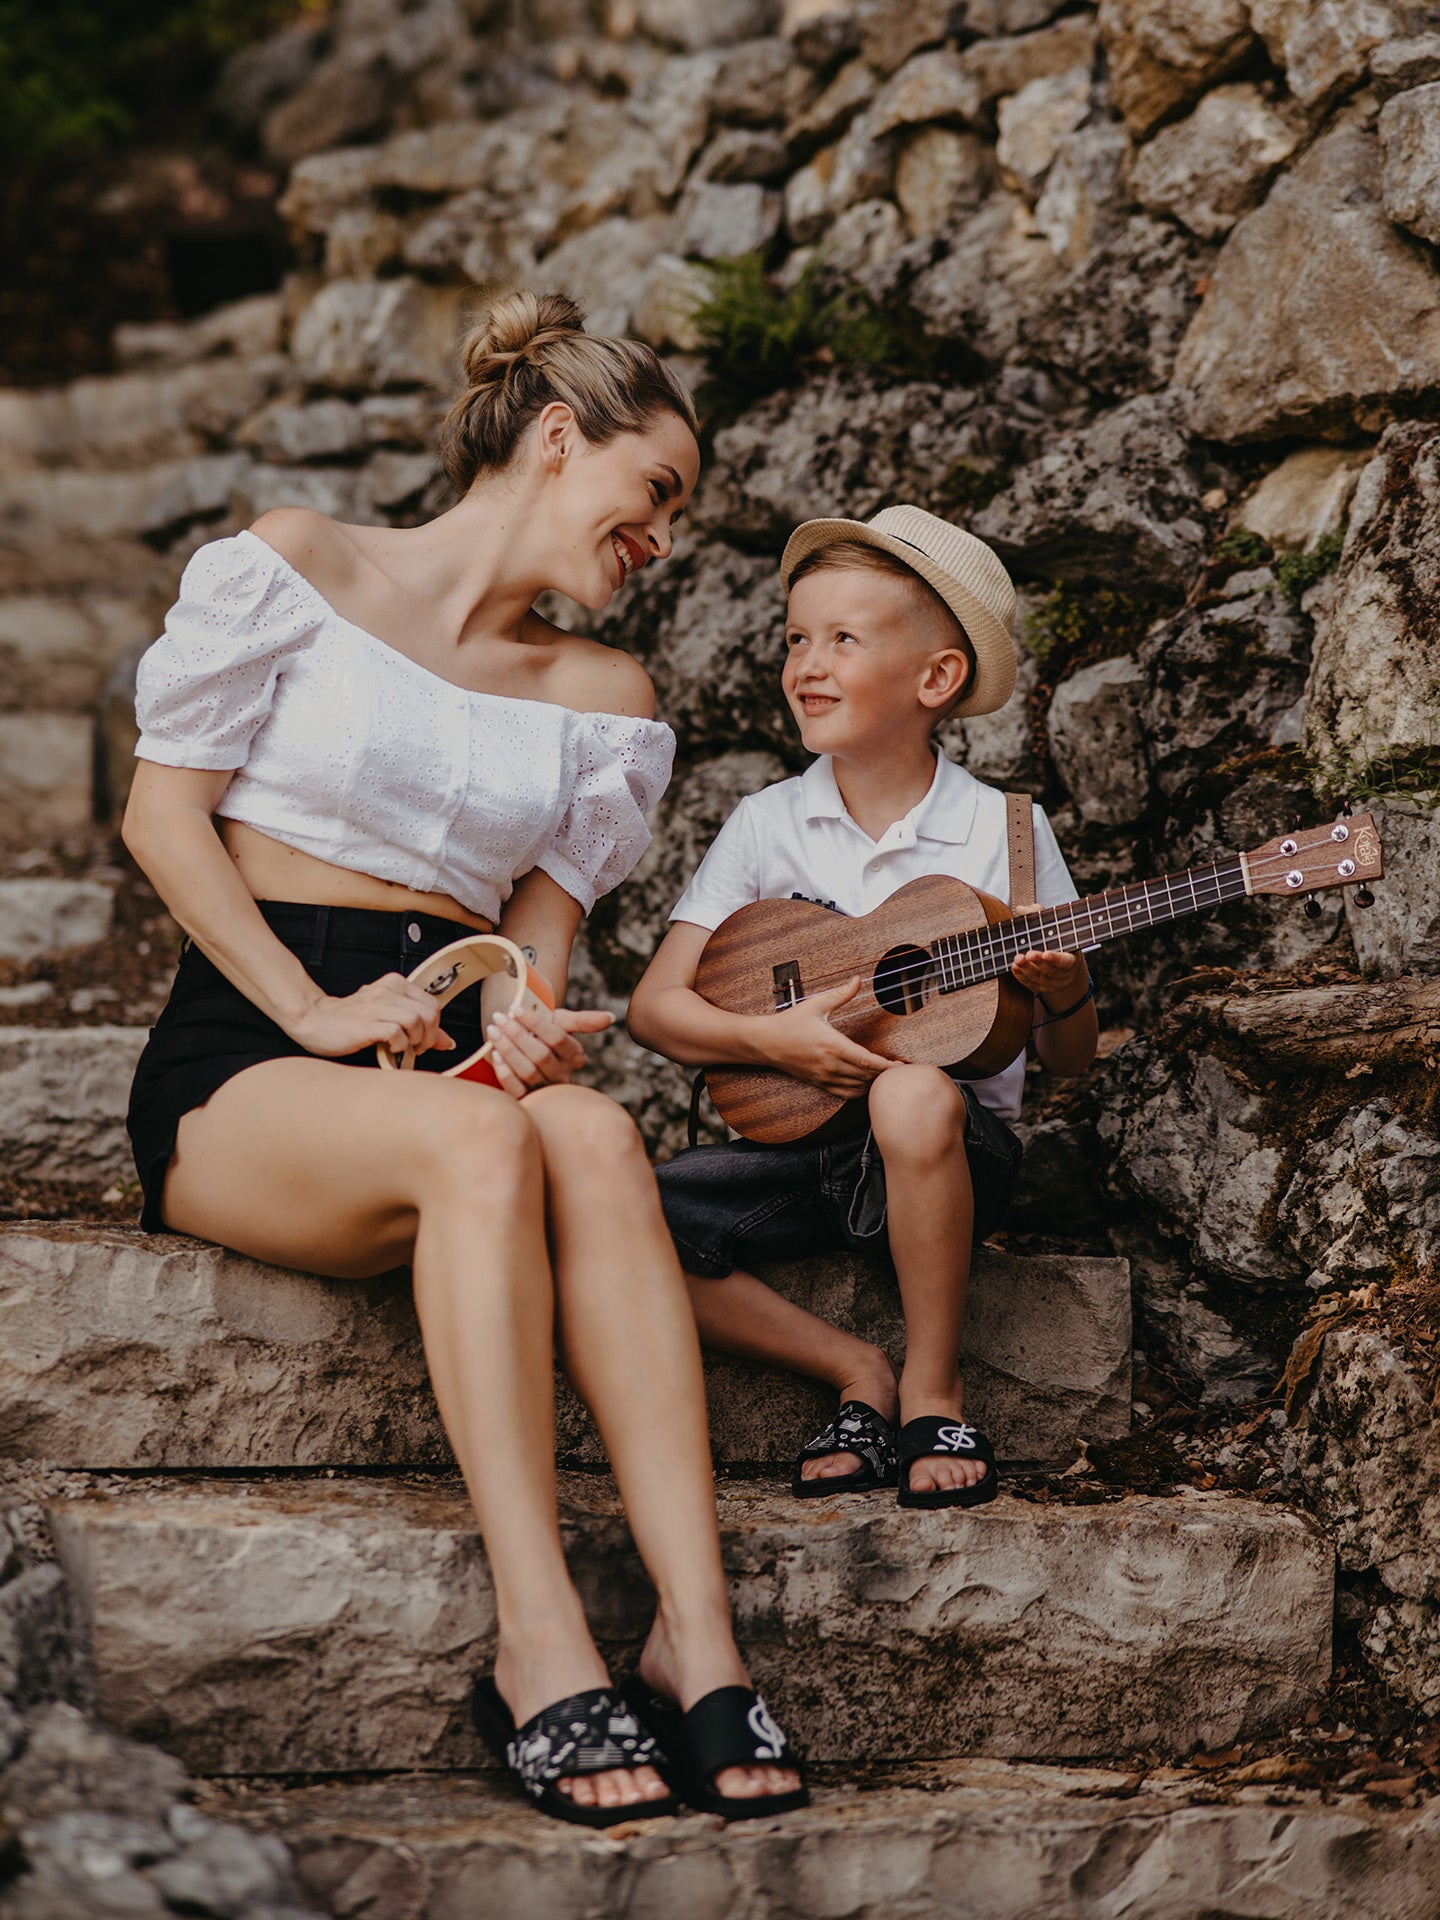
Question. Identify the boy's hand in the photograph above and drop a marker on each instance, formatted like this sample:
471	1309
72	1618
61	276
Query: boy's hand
1057	976
801	1041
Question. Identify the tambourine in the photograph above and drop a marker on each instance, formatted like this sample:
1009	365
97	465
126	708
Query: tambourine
467	963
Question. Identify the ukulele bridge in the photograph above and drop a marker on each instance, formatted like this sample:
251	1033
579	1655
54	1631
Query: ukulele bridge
788	990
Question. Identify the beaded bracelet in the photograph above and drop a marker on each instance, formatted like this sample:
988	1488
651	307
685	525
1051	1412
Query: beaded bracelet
1089	994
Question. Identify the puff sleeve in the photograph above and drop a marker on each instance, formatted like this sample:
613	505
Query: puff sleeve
621	770
204	689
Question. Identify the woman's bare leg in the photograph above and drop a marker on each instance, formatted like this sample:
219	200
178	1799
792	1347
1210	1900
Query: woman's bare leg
627	1338
340	1171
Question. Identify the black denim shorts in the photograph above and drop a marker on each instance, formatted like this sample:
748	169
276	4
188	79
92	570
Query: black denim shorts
208	1031
738	1203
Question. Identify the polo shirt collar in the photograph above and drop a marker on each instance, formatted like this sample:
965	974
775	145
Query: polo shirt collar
946	814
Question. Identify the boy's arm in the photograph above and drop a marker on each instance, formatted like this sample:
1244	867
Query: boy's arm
668	1016
1060	982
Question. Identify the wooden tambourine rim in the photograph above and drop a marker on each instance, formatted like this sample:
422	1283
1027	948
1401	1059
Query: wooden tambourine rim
480	957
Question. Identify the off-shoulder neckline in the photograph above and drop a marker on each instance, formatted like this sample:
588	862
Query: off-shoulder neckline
394	653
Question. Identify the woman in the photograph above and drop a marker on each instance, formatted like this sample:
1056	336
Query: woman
356	744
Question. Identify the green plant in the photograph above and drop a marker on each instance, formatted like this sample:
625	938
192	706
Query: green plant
966	489
1242	548
1296	573
71	70
1071	621
757	338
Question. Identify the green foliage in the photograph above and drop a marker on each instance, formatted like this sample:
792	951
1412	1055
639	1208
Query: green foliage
1242	548
757	339
1296	573
966	489
1072	621
1411	778
71	70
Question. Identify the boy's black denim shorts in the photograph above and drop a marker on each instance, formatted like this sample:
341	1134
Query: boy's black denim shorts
740	1202
208	1031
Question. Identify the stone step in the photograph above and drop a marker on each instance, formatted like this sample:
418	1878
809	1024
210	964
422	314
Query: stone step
40	917
210	1360
980	1841
63	1095
335	1625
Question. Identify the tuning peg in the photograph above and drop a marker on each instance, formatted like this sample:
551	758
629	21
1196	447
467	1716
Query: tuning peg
1346	808
1363	897
1312	908
1296	822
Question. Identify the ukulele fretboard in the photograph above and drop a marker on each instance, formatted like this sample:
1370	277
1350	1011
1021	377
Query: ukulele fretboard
965	959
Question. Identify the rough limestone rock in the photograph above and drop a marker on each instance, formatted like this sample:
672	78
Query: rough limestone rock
1410	143
694	24
1095	741
133	418
360	334
1402	64
1117	320
98	1827
1069	1844
669	297
46	776
1002	67
1373	687
63	1095
1215	165
940	175
1307	495
999	270
279	1603
1320	315
1368	1452
37	1650
1116	501
1083	201
1033	123
215	1361
1193	1327
1218	680
849	438
1322	45
1165	53
1400	933
751	82
932	86
1402	1638
1191	1143
52	916
606	267
1365	1196
719	222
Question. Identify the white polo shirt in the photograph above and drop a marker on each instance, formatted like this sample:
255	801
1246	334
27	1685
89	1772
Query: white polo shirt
797	838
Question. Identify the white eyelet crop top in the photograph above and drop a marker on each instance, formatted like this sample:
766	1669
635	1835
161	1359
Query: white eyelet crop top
349	750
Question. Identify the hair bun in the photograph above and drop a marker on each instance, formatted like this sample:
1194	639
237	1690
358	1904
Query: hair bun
517	325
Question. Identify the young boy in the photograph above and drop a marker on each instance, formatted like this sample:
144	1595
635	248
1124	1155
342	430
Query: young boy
893	624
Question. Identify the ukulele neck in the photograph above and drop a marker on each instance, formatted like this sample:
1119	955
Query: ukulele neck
964	959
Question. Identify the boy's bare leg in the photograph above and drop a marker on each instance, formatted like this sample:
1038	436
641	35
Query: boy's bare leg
741	1315
918	1118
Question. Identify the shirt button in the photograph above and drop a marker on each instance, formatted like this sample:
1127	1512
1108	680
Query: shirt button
412	932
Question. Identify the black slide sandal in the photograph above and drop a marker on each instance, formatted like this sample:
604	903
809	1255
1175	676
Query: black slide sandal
856	1428
591	1732
929	1438
727	1728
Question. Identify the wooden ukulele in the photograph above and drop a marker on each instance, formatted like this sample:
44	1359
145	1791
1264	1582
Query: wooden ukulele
468	963
934	965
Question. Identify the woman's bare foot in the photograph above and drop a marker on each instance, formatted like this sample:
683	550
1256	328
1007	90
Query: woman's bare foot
547	1667
873	1381
686	1668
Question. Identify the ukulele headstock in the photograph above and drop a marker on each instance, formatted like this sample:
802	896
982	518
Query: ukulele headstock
1342	855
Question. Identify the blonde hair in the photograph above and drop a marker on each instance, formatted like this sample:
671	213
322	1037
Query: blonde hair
528	350
855	556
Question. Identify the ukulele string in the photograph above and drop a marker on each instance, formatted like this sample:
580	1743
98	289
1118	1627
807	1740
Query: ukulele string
980	944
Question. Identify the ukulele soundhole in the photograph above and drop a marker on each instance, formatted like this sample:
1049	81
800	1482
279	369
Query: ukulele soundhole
902	979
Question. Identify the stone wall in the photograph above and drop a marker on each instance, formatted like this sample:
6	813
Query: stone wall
1160	282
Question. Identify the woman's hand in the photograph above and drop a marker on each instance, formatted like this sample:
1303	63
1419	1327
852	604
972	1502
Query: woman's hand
389	1012
534	1048
801	1041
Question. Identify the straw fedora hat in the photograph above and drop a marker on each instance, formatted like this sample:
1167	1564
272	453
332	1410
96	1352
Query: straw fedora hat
965	573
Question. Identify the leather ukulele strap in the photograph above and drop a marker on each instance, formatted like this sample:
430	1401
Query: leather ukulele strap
1020	824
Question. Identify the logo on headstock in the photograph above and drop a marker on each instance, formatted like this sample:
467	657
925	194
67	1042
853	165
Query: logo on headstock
1367	847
